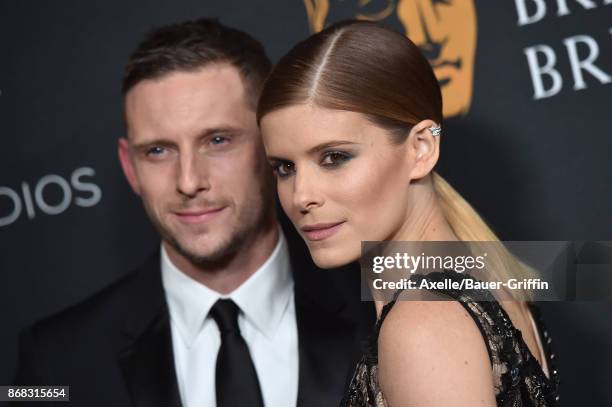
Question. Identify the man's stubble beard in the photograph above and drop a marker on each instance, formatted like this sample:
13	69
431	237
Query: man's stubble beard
225	250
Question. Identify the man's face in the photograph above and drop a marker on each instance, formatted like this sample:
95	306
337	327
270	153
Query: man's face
444	30
194	155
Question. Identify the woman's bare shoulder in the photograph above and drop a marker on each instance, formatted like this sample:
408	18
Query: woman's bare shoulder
431	353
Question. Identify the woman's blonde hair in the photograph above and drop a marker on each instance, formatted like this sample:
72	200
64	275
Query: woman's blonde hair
469	226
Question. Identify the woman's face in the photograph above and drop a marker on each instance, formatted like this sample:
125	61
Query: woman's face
340	179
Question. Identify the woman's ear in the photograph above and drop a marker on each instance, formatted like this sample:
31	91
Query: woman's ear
423	148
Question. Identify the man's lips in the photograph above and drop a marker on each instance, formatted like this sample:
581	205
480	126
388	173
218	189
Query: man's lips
198	215
321	231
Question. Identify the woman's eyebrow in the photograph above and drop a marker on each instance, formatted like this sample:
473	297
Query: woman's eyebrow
274	158
317	148
330	144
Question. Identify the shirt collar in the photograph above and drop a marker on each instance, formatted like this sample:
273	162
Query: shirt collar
263	298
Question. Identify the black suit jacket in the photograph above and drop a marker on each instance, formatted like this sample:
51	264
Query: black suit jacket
115	349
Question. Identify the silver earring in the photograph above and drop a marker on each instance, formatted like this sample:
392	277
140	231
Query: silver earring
435	130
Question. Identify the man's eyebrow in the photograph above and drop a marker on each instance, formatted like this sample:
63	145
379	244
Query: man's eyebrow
221	129
153	142
317	148
204	133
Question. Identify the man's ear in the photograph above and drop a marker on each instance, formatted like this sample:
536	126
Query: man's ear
123	149
424	148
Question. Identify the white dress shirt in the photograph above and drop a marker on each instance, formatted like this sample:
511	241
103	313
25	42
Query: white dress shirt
267	322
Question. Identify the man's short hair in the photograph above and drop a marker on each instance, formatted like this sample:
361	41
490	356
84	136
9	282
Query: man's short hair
191	45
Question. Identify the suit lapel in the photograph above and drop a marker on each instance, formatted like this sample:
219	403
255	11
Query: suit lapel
327	352
330	328
145	354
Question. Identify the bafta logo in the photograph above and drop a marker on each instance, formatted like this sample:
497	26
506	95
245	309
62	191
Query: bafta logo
444	30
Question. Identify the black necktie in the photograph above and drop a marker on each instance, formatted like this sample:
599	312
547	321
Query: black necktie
237	383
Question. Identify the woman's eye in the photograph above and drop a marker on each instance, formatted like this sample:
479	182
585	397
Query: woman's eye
283	170
334	158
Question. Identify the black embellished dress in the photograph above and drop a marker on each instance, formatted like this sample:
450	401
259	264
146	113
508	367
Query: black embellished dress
518	378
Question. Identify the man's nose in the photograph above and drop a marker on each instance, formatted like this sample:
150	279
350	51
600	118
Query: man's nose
192	176
306	192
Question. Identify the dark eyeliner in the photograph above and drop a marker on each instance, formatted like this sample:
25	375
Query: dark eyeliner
339	158
277	168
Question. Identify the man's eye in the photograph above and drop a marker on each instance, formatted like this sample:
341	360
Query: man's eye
445	2
334	158
283	169
156	151
218	140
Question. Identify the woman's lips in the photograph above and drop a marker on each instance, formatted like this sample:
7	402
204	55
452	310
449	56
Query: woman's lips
198	216
321	231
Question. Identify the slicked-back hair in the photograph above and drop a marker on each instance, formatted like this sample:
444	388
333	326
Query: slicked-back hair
192	45
357	66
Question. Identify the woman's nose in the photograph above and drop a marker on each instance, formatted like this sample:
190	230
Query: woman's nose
306	193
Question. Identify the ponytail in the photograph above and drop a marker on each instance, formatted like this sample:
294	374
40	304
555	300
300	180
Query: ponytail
469	226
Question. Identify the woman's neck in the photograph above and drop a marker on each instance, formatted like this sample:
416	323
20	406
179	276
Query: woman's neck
425	221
